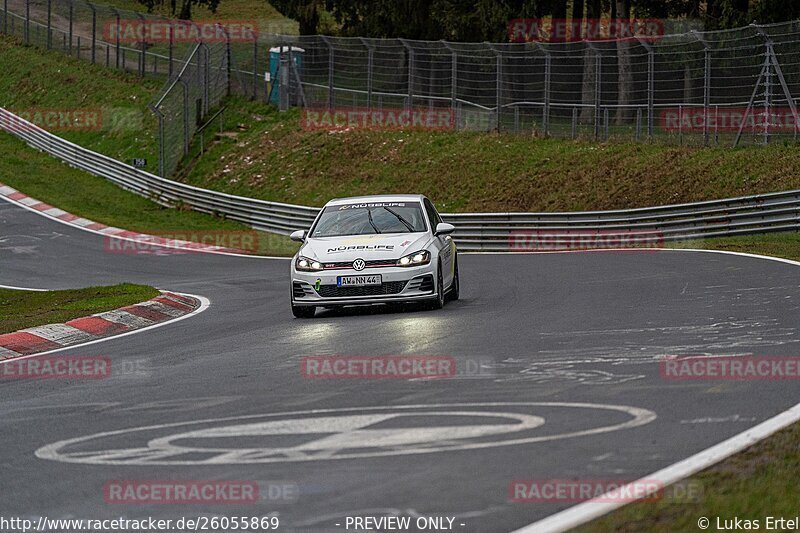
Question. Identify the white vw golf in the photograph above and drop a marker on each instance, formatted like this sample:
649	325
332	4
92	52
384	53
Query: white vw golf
374	249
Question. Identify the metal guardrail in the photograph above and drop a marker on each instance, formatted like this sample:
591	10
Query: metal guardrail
474	231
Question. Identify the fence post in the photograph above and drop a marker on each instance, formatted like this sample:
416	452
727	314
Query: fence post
706	83
598	64
650	87
161	170
410	75
116	13
255	68
453	78
170	30
330	72
94	29
370	60
49	22
28	21
283	72
185	115
5	17
142	47
498	87
547	78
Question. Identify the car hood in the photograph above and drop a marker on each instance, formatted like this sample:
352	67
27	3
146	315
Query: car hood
349	248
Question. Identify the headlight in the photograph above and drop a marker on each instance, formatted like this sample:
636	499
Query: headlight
307	265
417	258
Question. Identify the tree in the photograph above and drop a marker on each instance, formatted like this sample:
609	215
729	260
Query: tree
181	8
305	12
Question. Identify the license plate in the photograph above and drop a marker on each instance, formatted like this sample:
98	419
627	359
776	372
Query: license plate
358	281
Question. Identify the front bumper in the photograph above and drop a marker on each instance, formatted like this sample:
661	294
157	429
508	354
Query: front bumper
399	284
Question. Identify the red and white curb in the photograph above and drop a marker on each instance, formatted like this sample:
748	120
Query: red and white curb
47	210
167	307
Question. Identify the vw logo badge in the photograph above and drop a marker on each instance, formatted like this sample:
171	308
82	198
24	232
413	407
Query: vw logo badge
359	264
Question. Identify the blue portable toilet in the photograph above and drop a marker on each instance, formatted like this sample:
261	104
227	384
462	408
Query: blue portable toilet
274	60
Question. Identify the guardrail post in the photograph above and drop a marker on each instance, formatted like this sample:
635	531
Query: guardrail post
28	21
5	17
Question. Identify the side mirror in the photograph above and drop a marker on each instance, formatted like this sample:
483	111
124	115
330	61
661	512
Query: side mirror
299	235
443	228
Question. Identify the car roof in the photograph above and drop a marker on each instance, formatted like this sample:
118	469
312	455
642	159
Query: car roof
378	198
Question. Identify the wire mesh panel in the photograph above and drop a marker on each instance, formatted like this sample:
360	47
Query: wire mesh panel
722	87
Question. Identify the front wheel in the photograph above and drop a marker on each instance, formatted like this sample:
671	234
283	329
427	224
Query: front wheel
455	286
303	311
438	303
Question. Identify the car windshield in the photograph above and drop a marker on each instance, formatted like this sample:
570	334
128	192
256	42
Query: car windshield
369	219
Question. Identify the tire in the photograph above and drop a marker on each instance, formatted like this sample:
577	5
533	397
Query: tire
455	286
438	303
300	311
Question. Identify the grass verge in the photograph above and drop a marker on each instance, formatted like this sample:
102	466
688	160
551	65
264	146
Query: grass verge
46	179
269	155
26	309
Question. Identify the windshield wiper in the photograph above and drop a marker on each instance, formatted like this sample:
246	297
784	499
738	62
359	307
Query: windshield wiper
405	222
371	223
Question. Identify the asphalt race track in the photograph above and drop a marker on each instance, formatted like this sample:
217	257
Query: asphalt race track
565	347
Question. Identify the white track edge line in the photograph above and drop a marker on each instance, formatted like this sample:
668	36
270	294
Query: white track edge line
584	512
205	303
108	236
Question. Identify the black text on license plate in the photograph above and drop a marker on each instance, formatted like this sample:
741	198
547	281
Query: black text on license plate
358	281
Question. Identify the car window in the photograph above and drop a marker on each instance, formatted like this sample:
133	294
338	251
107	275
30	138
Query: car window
370	219
433	216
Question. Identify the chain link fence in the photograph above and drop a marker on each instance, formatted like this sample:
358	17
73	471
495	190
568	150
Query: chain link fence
723	87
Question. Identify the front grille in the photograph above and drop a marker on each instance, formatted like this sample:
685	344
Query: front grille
333	291
341	265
